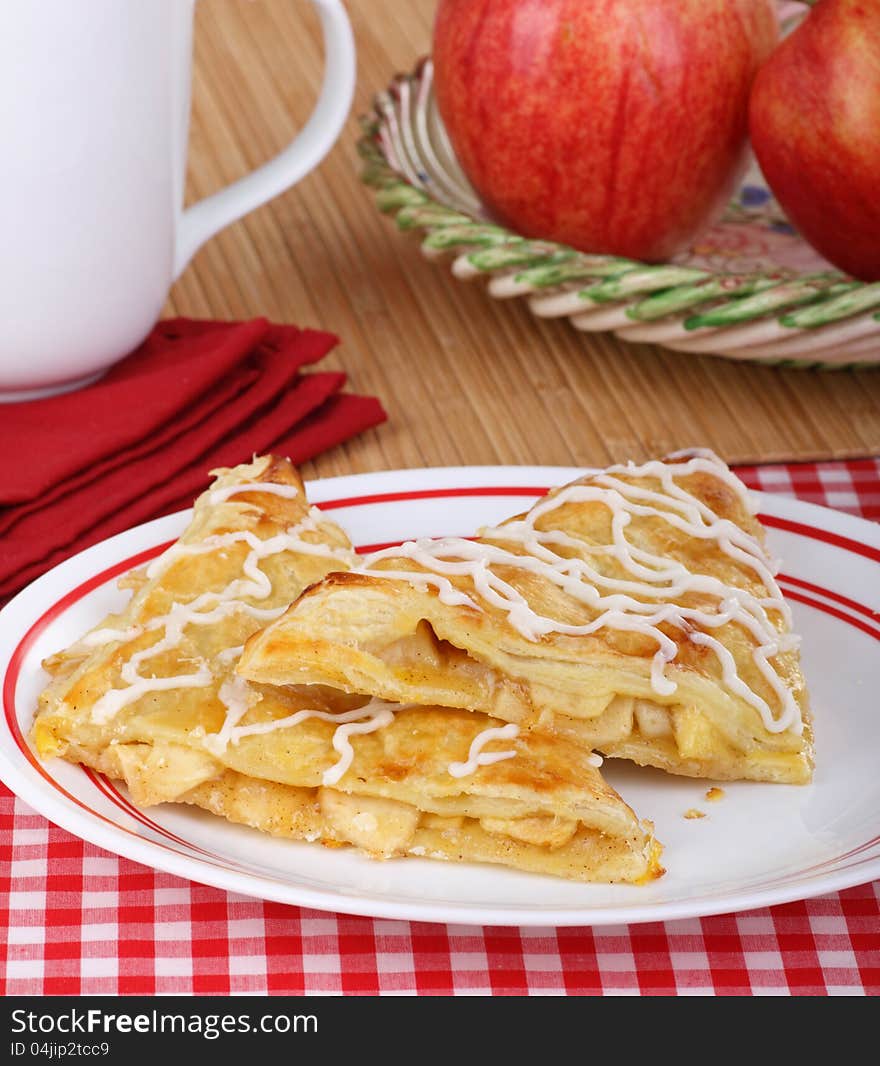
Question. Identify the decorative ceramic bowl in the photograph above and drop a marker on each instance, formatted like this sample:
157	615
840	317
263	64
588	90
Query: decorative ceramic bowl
750	288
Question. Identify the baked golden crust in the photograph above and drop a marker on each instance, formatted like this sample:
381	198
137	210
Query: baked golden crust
546	810
299	814
429	632
151	698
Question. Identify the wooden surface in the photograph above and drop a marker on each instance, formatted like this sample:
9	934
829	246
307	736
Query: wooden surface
464	378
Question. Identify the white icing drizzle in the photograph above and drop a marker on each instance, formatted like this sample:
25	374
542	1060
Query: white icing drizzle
477	757
748	499
221	495
623	604
211	607
367	719
379	717
290	540
229	655
234	695
113	701
99	637
447	592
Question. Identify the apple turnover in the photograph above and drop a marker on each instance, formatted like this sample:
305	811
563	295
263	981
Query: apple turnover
634	611
151	697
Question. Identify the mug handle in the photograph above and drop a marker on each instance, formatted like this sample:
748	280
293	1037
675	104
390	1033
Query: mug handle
201	221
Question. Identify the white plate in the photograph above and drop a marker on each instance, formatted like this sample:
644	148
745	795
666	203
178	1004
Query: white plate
760	844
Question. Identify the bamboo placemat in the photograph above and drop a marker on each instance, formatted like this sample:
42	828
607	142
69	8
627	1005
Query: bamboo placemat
465	379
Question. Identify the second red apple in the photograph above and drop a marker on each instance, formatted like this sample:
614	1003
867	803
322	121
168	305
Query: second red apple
615	126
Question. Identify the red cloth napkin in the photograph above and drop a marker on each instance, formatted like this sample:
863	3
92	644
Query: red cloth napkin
140	442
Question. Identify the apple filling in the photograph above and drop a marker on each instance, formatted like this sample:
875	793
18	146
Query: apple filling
620	725
385	827
379	825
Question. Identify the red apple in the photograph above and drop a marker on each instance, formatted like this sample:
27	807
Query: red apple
815	127
614	126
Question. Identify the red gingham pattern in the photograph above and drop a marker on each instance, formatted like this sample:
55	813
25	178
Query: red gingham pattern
102	924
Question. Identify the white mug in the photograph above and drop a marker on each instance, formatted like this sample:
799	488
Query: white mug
94	122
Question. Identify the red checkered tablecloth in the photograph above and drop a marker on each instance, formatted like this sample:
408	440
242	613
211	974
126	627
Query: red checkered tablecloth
77	920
